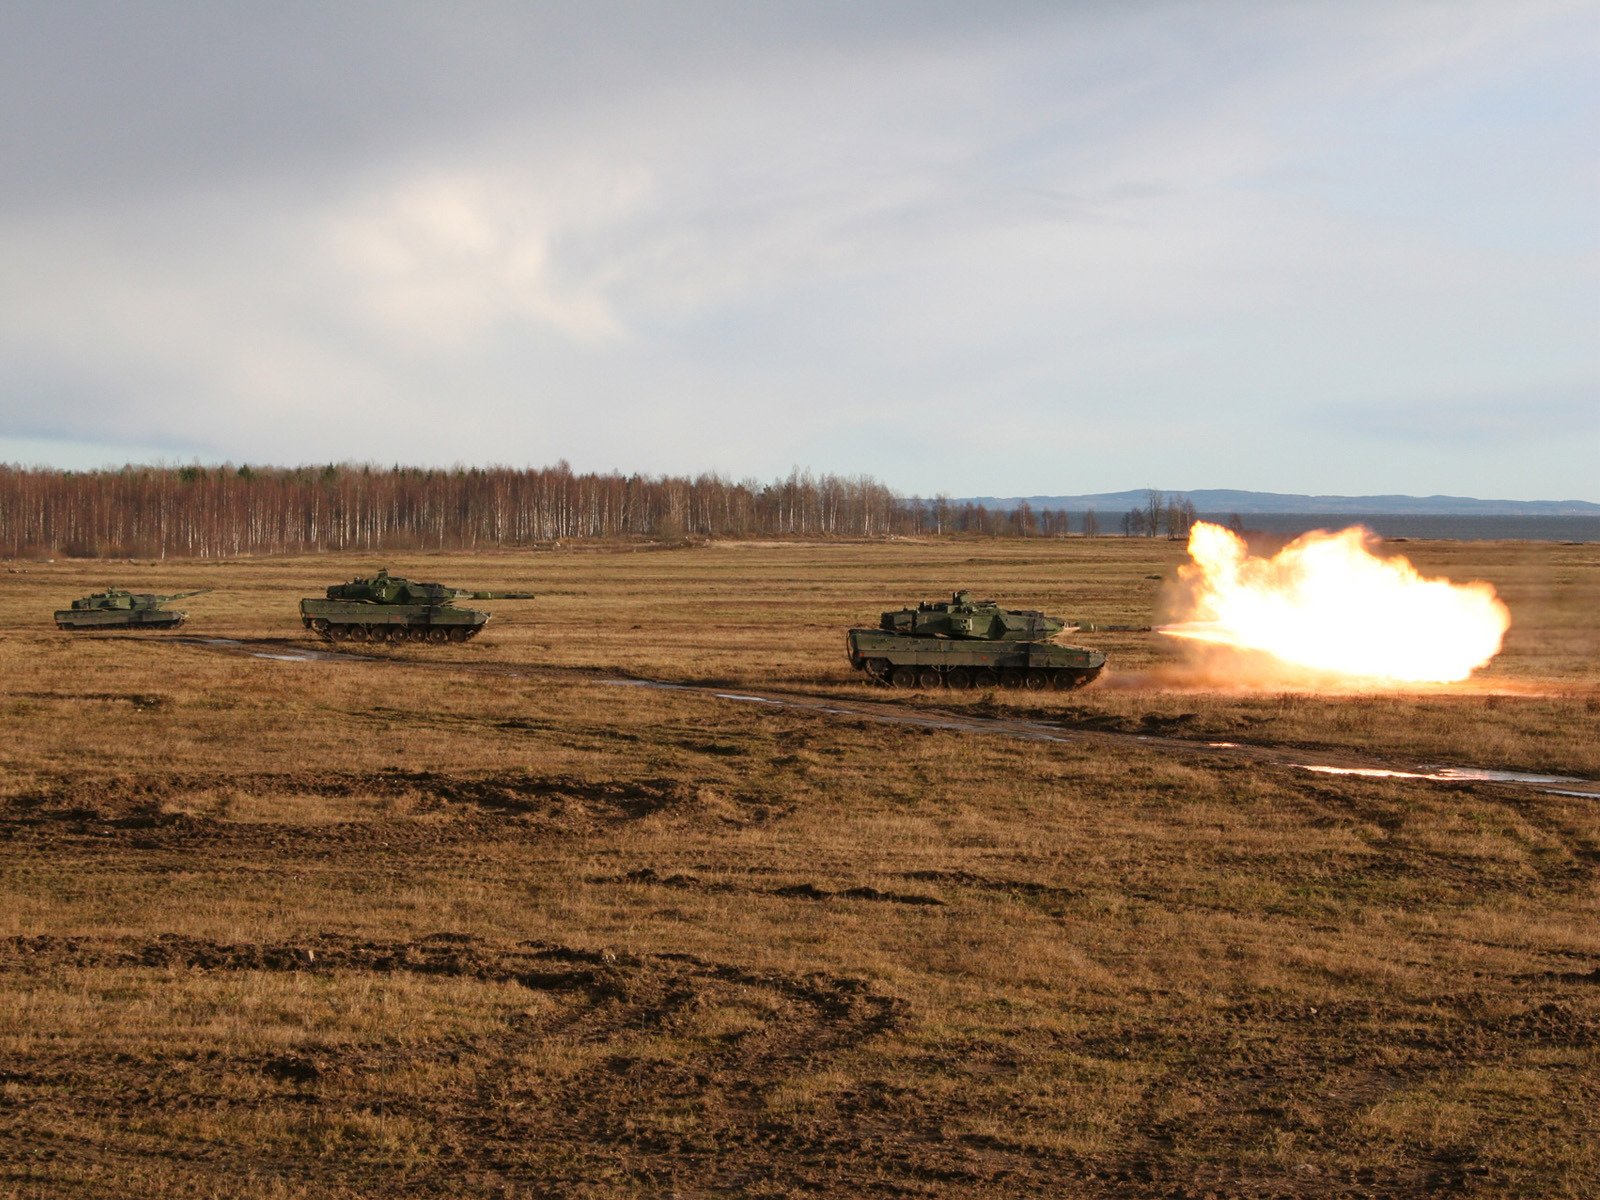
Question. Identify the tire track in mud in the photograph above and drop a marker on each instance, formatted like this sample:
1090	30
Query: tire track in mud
1024	889
845	1001
887	713
615	1109
410	809
1268	1055
682	881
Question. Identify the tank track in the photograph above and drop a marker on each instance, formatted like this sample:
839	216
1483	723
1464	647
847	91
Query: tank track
958	679
86	628
438	635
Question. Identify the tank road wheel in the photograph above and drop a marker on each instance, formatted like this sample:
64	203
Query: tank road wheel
985	678
958	679
1063	680
438	635
1036	681
379	633
903	677
459	634
929	678
338	633
319	626
877	669
358	633
1010	679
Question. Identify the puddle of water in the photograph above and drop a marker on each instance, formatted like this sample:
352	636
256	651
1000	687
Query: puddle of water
1444	774
1223	745
1462	775
1478	775
222	641
749	699
1363	772
286	657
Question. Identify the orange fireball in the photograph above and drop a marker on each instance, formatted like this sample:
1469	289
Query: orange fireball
1327	603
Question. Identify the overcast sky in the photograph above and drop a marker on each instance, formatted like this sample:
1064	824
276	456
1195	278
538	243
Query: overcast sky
973	248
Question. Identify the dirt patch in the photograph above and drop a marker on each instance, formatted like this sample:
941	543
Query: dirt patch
810	891
324	810
796	891
514	793
141	700
1015	887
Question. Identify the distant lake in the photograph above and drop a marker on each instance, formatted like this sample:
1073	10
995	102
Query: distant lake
1527	529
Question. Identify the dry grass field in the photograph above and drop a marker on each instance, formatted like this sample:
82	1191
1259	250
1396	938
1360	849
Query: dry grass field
477	921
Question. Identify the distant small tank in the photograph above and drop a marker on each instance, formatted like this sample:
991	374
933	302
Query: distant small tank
963	643
387	608
118	609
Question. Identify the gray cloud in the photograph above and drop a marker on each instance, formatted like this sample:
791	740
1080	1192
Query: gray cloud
105	98
958	248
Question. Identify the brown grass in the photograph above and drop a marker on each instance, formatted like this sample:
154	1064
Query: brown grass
473	922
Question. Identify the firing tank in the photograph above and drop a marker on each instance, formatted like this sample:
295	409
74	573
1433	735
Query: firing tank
387	608
119	609
965	643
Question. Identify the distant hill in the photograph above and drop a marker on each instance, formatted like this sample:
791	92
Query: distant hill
1225	500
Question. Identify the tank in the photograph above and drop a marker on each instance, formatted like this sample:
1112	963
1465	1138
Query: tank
964	643
387	608
118	609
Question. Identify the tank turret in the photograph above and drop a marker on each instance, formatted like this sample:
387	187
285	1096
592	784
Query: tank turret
117	608
384	588
390	608
963	617
963	643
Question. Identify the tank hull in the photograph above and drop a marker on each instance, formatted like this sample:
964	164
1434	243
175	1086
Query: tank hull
931	662
89	618
356	621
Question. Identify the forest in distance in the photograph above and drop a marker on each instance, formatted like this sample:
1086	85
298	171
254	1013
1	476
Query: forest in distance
222	511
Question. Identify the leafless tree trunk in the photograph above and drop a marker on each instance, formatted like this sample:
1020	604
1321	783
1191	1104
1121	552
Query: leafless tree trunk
1154	502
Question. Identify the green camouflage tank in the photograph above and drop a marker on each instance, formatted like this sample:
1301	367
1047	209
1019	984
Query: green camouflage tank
388	608
963	643
119	609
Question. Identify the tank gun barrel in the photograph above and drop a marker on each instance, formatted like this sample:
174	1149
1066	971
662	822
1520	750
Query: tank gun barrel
503	596
183	595
1103	627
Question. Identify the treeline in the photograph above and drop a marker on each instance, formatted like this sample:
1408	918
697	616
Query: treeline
1161	513
210	512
